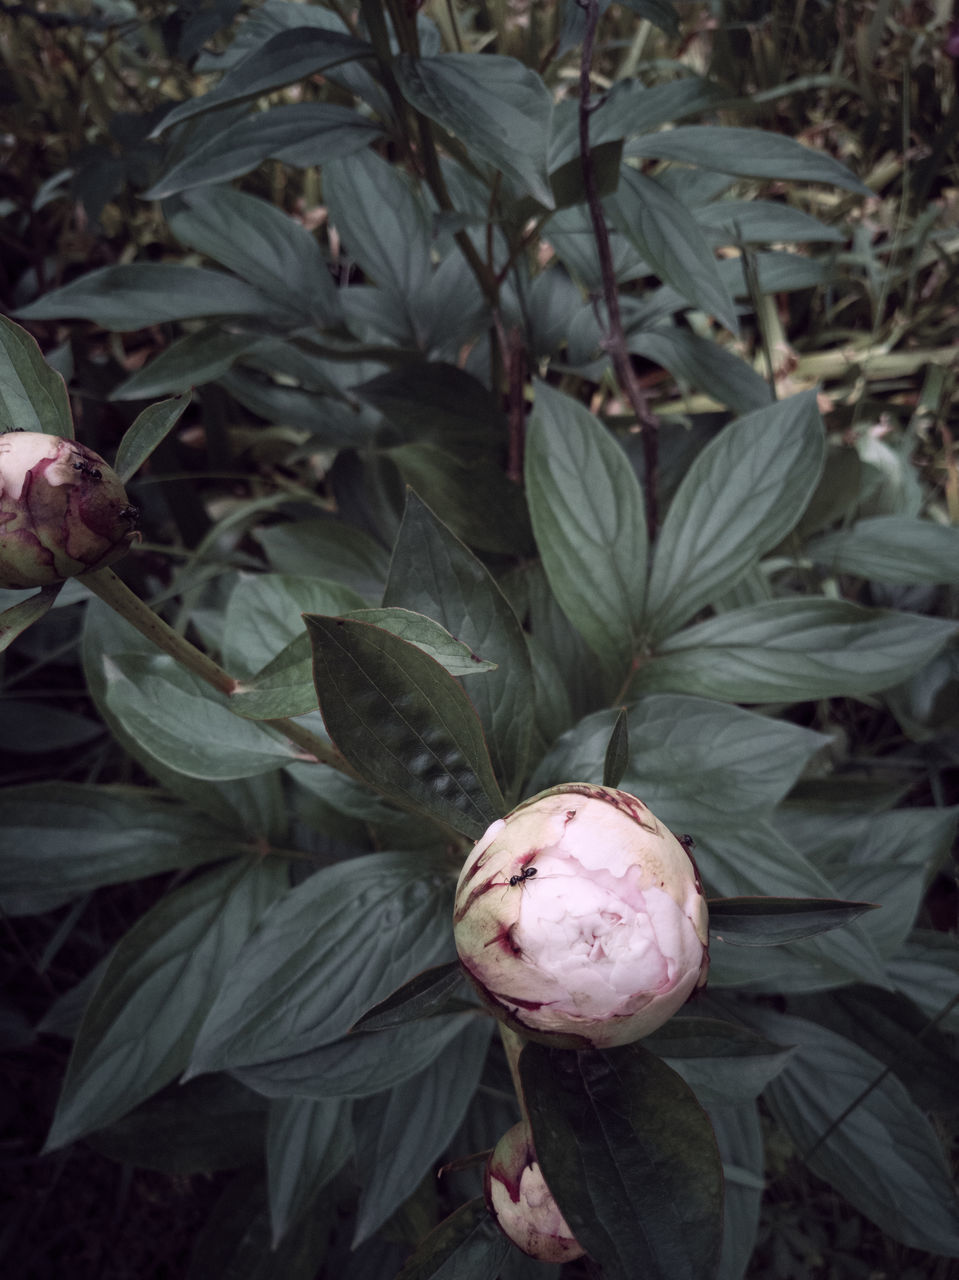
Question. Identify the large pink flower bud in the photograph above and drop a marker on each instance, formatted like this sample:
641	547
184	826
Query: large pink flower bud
581	919
63	511
522	1203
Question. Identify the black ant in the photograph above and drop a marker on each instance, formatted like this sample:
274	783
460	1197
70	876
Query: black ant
688	843
526	874
93	472
130	513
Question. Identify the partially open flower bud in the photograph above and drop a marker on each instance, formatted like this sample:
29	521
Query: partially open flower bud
580	918
522	1203
63	511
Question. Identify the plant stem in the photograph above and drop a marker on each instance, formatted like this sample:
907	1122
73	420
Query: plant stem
513	1043
615	341
113	591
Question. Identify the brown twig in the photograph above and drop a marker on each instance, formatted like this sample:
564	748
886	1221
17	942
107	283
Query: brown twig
615	339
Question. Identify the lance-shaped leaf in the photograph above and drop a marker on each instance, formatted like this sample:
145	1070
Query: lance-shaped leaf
467	1243
287	56
138	1031
669	239
721	1062
15	620
498	107
403	723
328	950
771	922
788	650
631	1158
428	993
147	430
435	574
740	497
308	1141
33	397
590	524
617	751
896	549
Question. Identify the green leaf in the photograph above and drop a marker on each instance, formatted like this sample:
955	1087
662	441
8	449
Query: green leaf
190	361
667	236
925	968
180	721
262	244
695	762
264	613
631	1158
499	108
791	650
720	1061
428	993
137	295
307	1143
33	397
288	56
300	134
147	430
770	922
403	723
739	1133
882	1155
616	759
60	840
762	222
433	573
139	1028
330	549
15	619
338	943
400	1134
660	13
703	363
748	153
360	1064
452	654
740	497
896	549
590	524
467	1243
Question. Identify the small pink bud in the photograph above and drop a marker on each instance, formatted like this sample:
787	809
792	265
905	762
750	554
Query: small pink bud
522	1203
63	511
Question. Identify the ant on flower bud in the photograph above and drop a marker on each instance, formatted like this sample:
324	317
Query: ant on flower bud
93	472
688	843
526	874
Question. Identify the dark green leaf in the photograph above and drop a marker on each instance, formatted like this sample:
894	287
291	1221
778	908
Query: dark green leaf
15	619
617	752
329	549
403	723
897	549
59	840
791	650
33	397
704	364
262	244
190	361
761	222
496	106
668	238
426	994
140	294
301	134
326	952
631	1159
720	1061
400	1134
883	1155
289	55
740	1136
148	429
437	402
307	1143
264	613
740	497
139	1028
467	1243
589	519
770	922
660	13
359	1064
433	573
184	724
748	153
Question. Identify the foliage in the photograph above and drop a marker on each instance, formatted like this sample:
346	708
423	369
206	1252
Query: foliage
531	435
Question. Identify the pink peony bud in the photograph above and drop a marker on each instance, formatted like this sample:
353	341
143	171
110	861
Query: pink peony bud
523	1204
580	918
63	511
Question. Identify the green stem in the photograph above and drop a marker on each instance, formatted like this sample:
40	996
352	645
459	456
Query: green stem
114	592
514	1043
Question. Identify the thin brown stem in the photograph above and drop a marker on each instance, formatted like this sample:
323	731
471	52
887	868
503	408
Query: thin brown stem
615	338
